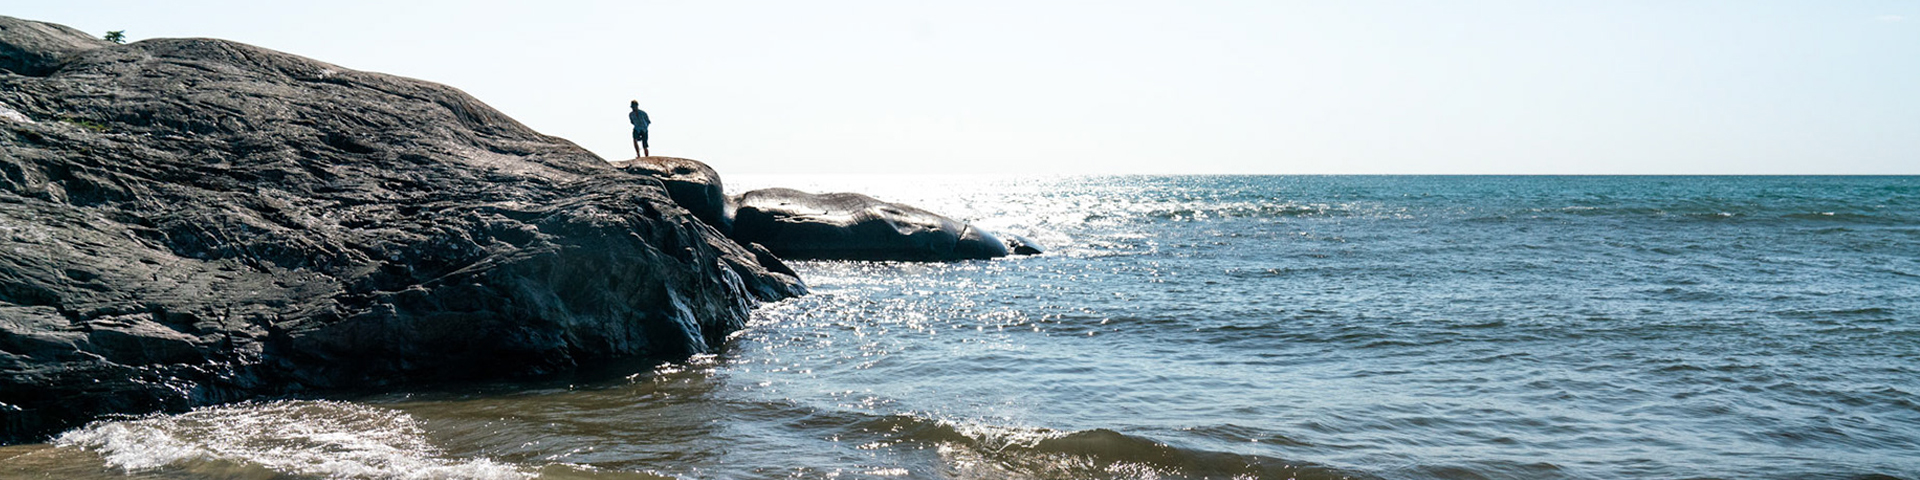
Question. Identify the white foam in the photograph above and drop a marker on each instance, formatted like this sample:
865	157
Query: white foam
1002	437
307	438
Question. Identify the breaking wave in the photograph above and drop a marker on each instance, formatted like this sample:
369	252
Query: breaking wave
324	439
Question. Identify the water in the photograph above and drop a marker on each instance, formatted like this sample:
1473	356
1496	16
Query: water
1215	327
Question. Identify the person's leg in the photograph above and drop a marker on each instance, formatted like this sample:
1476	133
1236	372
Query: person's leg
636	143
645	150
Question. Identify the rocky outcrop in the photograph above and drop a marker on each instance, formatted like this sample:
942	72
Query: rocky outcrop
691	183
834	226
36	48
190	221
851	226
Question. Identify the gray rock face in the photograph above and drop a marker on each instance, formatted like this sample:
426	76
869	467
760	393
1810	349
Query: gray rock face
36	48
851	226
191	221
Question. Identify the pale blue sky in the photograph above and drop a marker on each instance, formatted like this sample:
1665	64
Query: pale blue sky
1143	87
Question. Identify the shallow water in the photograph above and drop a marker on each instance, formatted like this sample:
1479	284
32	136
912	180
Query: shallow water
1215	327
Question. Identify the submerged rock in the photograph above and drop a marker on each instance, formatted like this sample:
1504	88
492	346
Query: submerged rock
851	226
193	221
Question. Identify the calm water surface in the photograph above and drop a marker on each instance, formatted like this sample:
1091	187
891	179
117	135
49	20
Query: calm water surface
1216	327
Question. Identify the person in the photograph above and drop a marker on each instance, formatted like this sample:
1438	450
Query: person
640	121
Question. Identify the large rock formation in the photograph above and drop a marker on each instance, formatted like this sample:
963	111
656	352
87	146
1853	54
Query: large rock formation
189	221
851	226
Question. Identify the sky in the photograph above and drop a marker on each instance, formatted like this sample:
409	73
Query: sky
1139	87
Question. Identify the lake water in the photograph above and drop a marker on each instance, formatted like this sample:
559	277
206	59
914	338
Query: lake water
1281	327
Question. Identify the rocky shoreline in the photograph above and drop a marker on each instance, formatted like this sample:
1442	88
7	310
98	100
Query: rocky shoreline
186	222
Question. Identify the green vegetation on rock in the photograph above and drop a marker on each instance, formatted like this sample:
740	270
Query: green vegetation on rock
87	124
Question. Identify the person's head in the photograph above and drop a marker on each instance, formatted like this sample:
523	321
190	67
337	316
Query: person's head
635	104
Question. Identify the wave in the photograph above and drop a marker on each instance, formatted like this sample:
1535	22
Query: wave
1699	213
323	439
1851	218
1201	211
976	450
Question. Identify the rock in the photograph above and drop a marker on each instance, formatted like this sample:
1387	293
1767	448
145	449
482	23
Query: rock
696	187
865	228
770	261
851	226
1021	245
192	221
36	48
691	183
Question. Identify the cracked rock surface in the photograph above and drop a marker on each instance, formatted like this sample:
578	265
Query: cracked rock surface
194	221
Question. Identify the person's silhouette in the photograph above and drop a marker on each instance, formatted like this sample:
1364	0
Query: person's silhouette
640	121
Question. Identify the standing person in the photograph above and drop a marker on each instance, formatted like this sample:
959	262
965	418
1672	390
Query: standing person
640	121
